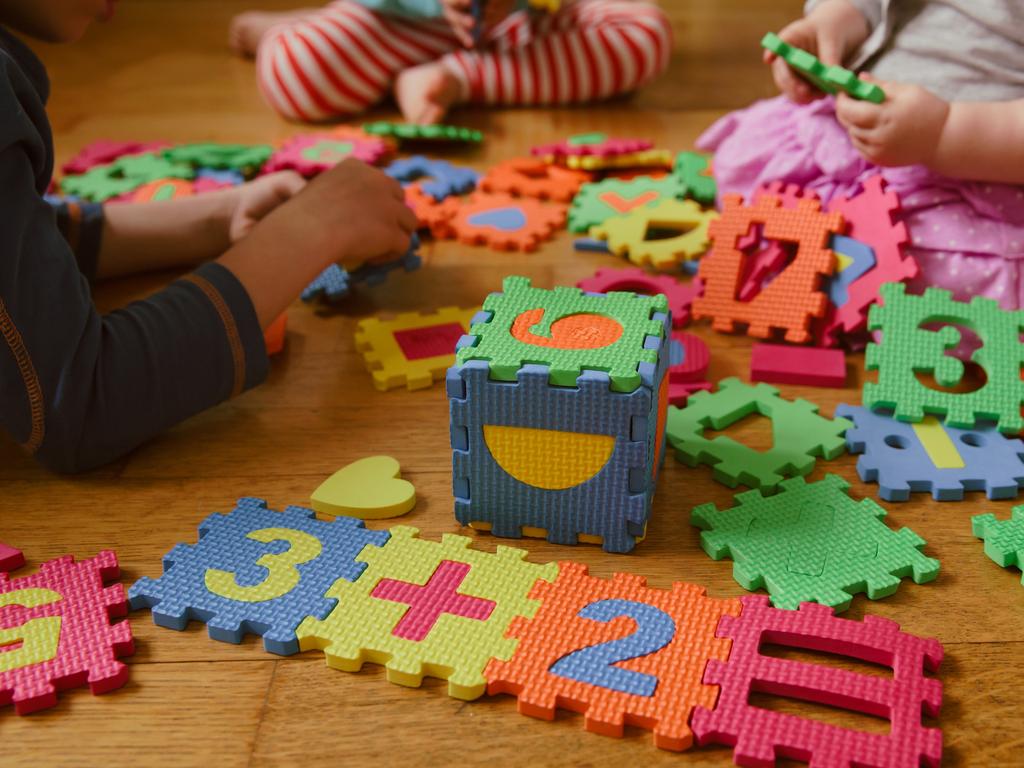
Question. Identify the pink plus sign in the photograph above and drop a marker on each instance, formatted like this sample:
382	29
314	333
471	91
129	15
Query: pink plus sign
428	602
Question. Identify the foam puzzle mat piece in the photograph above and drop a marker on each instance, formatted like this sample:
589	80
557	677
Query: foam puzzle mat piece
1004	539
504	222
760	736
310	154
125	174
929	456
371	489
599	201
530	177
11	558
425	608
432	215
635	280
334	283
828	79
437	178
56	631
591	144
275	336
247	159
104	151
792	299
633	234
432	133
799	435
617	650
525	325
413	349
648	158
810	366
907	349
256	570
812	542
693	169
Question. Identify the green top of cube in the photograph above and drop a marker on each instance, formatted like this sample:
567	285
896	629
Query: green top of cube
825	78
568	331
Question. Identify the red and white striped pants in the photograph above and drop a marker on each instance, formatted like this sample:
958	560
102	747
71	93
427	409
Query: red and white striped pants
344	59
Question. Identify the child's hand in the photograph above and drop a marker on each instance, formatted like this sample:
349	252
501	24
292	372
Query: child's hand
902	130
459	14
831	31
259	197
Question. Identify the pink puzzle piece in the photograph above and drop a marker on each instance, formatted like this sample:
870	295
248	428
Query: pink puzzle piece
592	144
55	631
812	366
689	376
102	152
760	736
680	295
11	559
310	154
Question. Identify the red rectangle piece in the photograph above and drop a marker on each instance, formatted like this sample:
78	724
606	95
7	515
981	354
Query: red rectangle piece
812	366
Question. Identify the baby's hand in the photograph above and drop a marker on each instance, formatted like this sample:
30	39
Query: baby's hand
459	14
902	130
259	197
831	31
351	214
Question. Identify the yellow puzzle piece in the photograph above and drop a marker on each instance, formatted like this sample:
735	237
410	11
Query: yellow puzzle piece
648	158
370	489
413	349
628	235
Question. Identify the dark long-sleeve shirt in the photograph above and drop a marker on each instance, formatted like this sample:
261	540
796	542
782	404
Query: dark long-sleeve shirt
78	389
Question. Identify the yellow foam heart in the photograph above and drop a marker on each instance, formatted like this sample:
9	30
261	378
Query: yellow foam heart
370	489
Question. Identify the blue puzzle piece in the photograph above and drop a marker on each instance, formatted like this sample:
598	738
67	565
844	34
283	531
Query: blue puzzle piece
443	178
510	219
894	457
334	283
274	583
862	258
676	353
591	244
690	267
225	176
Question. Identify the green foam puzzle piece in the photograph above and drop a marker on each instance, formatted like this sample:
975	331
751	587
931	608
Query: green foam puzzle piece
598	202
828	79
123	175
1004	539
245	158
409	132
812	543
691	169
494	342
799	434
907	349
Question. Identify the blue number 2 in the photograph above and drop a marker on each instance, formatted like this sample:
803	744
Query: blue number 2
654	630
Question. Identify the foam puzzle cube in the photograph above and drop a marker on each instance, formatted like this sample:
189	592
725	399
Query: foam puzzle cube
558	402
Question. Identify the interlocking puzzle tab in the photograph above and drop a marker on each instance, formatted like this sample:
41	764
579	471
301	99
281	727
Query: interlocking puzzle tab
425	608
799	434
761	736
600	201
792	299
930	456
11	558
503	222
313	153
531	177
558	402
909	347
55	631
617	650
256	570
413	349
1004	539
813	543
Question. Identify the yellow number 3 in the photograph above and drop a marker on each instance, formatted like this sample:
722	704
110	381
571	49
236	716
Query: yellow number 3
282	575
38	638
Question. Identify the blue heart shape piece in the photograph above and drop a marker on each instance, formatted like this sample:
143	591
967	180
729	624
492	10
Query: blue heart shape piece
502	219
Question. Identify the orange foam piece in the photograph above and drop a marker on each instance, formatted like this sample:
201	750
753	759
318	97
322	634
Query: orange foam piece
432	214
793	298
583	331
541	220
557	631
530	177
275	334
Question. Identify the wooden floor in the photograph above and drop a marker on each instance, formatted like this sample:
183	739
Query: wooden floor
160	70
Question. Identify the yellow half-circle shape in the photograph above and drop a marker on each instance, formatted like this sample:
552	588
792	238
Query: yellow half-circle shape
548	458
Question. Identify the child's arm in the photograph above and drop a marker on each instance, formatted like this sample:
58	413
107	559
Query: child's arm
982	141
832	30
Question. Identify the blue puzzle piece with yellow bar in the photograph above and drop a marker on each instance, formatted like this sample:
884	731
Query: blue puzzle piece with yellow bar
905	458
256	571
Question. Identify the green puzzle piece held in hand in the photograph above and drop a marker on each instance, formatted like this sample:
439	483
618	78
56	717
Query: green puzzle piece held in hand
799	434
812	543
825	78
1004	539
907	348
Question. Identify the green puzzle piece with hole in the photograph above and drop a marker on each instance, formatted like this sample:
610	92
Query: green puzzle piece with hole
828	79
799	434
598	202
244	158
812	543
907	349
1004	539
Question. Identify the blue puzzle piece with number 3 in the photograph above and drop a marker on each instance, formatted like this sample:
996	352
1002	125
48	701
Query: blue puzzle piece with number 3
931	456
256	571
